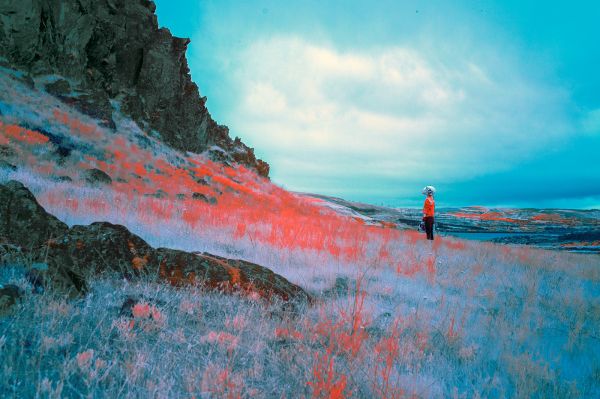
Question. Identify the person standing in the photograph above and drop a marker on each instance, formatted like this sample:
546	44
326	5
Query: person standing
429	211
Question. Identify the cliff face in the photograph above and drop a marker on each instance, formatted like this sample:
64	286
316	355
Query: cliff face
113	49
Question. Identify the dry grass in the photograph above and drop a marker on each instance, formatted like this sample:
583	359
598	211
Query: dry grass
505	329
396	316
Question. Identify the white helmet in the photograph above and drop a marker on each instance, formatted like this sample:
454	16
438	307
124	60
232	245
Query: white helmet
428	189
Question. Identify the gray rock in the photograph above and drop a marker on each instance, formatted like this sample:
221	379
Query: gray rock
96	177
95	104
23	221
59	88
202	197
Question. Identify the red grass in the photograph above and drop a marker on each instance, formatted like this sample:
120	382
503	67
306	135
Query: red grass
431	269
222	383
453	244
17	134
248	207
77	127
84	359
141	310
387	351
451	333
288	333
326	382
551	217
486	216
347	335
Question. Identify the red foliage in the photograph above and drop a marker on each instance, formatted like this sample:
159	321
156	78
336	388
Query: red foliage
221	338
431	269
141	310
288	333
326	382
18	134
222	383
454	328
451	333
454	244
44	168
164	188
77	127
347	335
387	351
486	216
552	217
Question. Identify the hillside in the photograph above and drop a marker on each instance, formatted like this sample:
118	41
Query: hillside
143	253
100	56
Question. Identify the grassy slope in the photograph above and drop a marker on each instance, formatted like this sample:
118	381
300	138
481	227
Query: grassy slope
408	317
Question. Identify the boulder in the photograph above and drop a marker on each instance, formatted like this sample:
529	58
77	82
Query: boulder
59	87
96	177
95	104
251	277
6	152
102	247
23	221
203	197
72	256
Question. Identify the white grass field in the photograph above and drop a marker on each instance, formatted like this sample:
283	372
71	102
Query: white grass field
394	316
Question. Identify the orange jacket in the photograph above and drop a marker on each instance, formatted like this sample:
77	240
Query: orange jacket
429	206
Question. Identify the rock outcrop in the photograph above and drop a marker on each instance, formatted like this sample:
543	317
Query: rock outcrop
96	177
23	221
114	49
73	255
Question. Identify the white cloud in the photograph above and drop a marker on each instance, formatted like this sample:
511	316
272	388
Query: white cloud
390	114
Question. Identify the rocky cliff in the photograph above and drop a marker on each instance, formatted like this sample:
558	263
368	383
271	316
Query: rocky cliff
101	50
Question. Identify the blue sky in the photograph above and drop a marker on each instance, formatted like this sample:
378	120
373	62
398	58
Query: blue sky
492	102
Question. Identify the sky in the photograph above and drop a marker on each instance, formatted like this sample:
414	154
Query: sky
494	103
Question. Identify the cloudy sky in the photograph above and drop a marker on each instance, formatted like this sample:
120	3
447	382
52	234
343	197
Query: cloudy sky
492	102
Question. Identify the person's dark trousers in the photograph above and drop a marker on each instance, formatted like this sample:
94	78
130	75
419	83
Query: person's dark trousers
429	227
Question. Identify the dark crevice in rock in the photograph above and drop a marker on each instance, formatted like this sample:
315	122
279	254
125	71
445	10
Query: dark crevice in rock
138	68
